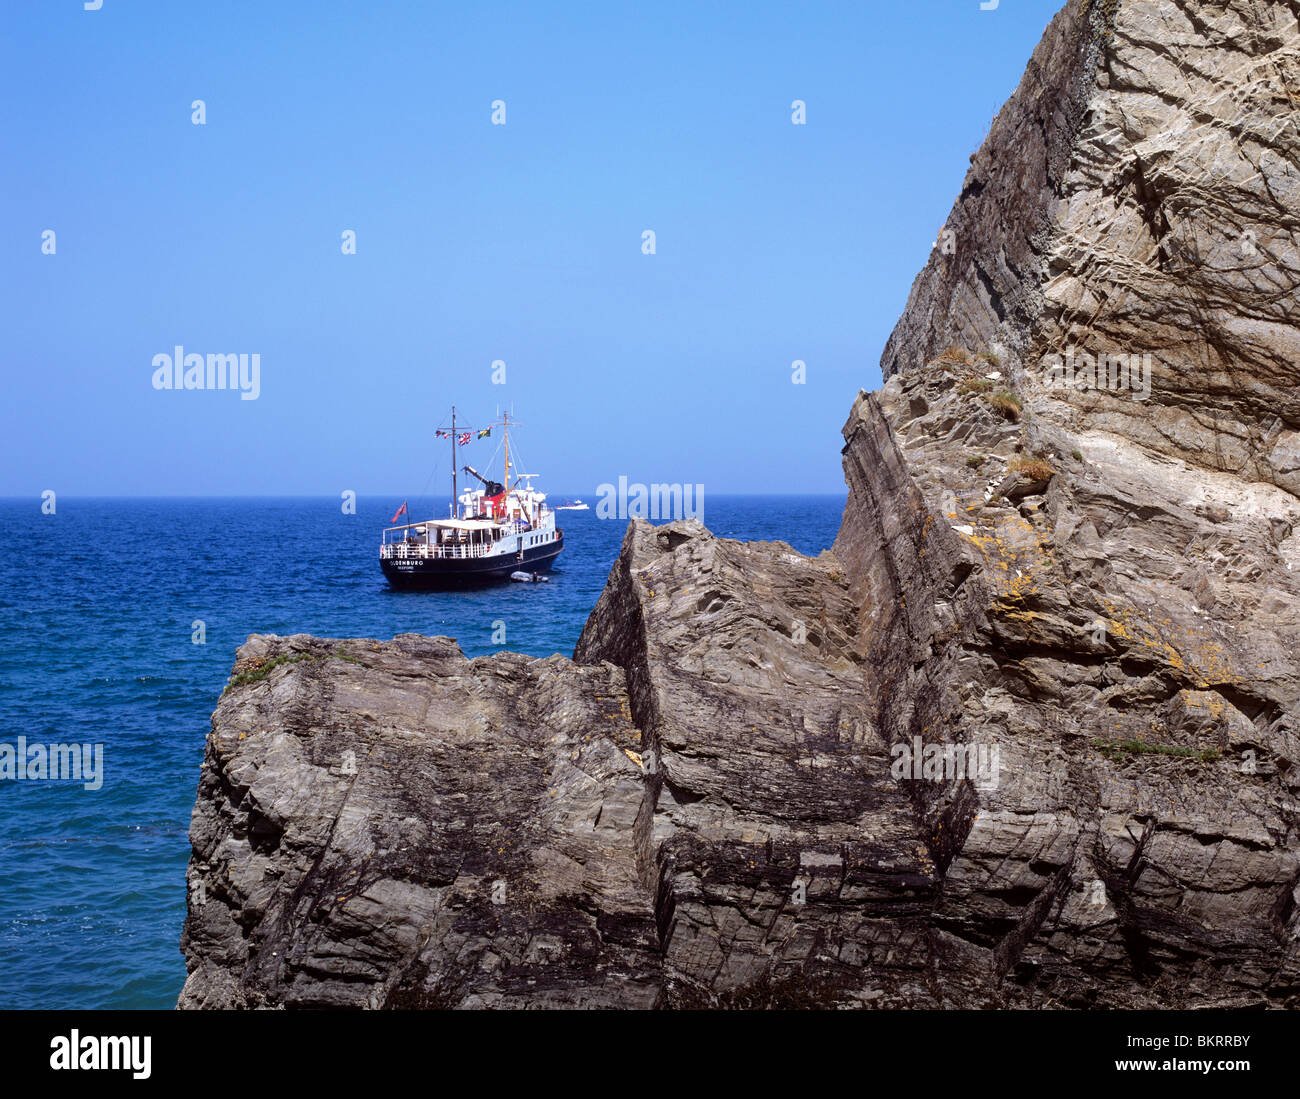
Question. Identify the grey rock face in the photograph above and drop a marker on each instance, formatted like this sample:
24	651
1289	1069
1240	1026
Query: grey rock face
1101	575
1131	653
747	788
391	824
788	865
1140	195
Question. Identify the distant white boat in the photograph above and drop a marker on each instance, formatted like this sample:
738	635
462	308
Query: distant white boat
577	505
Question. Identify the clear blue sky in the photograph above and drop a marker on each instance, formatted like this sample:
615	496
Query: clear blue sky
475	242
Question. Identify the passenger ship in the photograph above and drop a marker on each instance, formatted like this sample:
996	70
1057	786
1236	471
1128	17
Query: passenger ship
494	531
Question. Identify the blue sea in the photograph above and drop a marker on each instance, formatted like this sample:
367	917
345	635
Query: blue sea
100	606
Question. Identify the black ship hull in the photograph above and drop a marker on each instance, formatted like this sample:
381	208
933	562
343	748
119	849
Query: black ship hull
450	574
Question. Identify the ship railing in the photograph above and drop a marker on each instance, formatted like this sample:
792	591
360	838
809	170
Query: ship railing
403	550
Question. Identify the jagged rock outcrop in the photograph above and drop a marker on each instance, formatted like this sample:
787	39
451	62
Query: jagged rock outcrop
1107	562
391	824
1140	194
1090	579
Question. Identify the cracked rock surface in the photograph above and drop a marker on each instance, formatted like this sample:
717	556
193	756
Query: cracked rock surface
1094	586
391	824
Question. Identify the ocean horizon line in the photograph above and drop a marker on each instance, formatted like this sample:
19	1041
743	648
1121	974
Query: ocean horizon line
28	497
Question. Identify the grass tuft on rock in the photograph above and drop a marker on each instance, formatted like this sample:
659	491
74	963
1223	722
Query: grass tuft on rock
1120	750
258	672
1006	403
1034	468
955	356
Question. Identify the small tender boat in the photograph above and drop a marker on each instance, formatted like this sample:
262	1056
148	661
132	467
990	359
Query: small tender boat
493	531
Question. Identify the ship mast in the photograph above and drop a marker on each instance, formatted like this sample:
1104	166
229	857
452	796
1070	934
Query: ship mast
453	461
506	479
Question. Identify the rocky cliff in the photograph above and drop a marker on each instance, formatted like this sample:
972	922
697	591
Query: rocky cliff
1028	735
